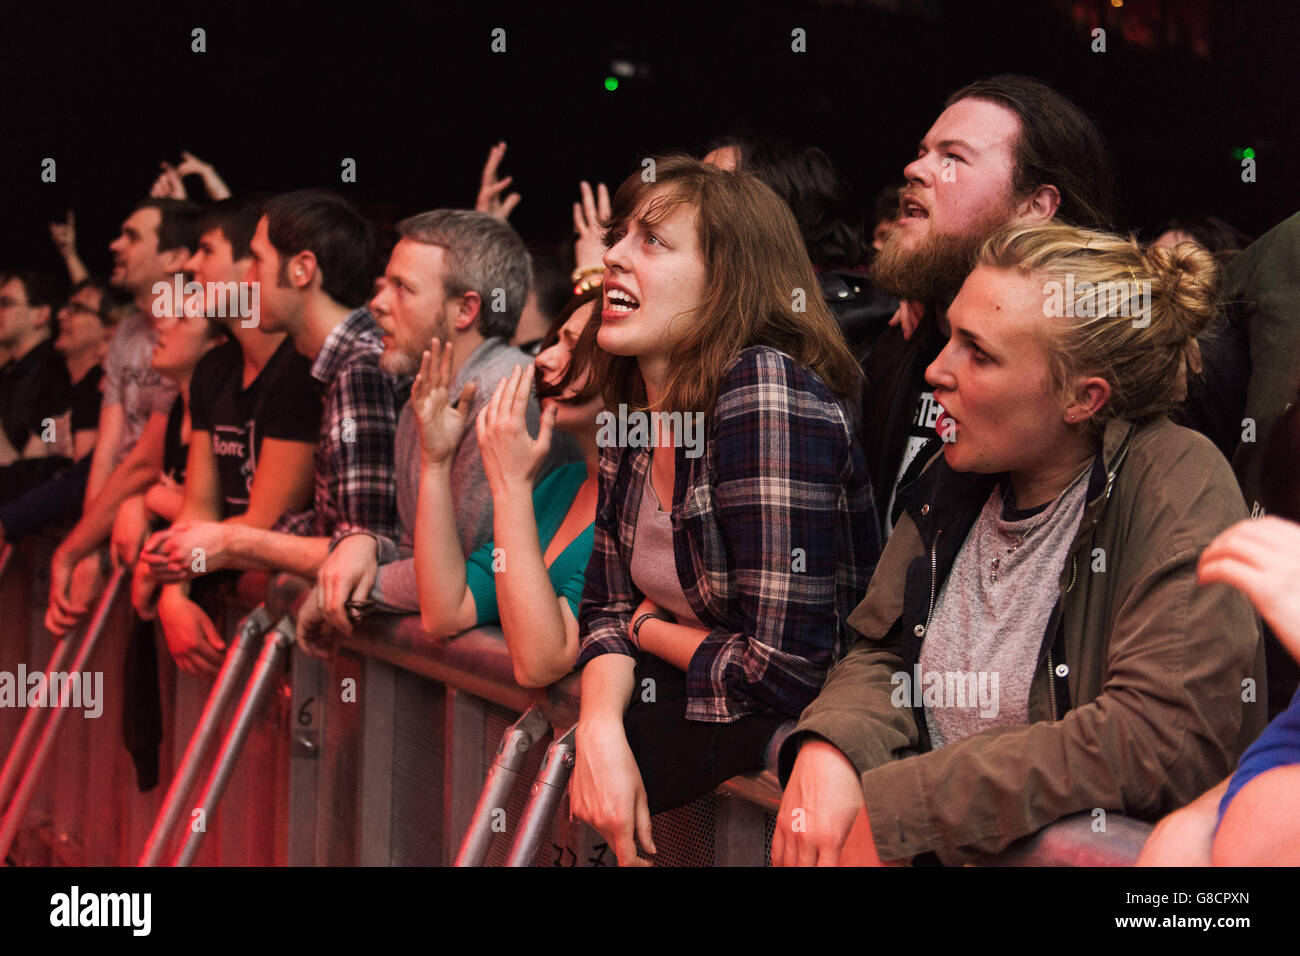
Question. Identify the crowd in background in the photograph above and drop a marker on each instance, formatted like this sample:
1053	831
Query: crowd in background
970	433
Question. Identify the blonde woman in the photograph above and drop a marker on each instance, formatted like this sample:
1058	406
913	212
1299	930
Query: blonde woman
1033	643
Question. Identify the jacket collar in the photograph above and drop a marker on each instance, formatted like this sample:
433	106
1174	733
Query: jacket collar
940	496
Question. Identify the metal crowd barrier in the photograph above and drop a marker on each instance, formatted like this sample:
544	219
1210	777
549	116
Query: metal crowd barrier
378	757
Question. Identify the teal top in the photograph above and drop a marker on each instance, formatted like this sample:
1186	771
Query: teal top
551	500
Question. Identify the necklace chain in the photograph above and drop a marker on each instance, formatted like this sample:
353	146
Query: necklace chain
997	561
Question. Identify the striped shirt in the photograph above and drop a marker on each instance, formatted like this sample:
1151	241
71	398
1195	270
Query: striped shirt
774	541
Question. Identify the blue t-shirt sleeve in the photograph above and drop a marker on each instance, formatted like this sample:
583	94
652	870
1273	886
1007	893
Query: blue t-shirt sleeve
1277	746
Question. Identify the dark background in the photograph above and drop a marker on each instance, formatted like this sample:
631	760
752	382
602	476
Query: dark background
412	92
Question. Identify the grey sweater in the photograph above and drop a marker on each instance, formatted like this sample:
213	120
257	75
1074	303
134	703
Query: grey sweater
395	586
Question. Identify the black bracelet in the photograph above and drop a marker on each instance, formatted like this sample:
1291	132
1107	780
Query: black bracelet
636	626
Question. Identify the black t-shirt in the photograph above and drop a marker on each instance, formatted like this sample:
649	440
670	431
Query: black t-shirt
176	451
29	388
84	400
281	403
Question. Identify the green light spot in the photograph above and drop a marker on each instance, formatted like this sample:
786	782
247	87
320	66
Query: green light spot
611	83
1247	153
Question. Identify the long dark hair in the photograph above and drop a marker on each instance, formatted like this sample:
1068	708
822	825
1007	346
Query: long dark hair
1058	144
756	266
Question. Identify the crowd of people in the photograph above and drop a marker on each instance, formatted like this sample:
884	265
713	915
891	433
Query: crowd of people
984	498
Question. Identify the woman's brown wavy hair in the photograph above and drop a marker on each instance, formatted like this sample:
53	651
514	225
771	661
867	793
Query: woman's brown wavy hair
760	287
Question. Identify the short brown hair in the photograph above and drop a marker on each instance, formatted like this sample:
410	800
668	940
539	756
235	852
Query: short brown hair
758	273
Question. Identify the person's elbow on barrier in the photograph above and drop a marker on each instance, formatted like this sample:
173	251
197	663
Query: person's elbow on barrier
1184	837
541	666
821	802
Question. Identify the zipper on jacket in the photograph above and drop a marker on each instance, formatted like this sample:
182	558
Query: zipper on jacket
922	629
1051	683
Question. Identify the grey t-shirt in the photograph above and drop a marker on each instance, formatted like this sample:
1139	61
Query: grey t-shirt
981	648
131	381
395	586
654	563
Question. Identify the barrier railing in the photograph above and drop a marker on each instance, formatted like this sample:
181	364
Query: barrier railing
377	758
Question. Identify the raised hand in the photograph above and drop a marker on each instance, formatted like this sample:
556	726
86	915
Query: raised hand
512	457
441	424
64	235
168	185
216	187
589	247
1261	558
490	187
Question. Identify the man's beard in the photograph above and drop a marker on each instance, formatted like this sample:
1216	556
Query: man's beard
399	362
934	270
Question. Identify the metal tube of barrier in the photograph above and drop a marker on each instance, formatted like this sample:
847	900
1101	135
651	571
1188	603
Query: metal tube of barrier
31	777
259	684
548	788
511	754
252	627
30	727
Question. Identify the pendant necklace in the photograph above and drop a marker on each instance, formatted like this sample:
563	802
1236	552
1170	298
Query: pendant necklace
997	562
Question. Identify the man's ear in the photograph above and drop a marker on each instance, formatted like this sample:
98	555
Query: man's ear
43	314
1042	203
468	311
303	269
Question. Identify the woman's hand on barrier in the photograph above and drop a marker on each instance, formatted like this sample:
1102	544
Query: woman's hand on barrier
1261	558
191	636
607	792
819	809
441	424
511	457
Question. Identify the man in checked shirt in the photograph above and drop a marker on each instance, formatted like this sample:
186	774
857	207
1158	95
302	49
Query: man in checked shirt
315	257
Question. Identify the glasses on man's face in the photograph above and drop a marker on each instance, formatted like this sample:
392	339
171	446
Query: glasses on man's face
8	303
76	308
